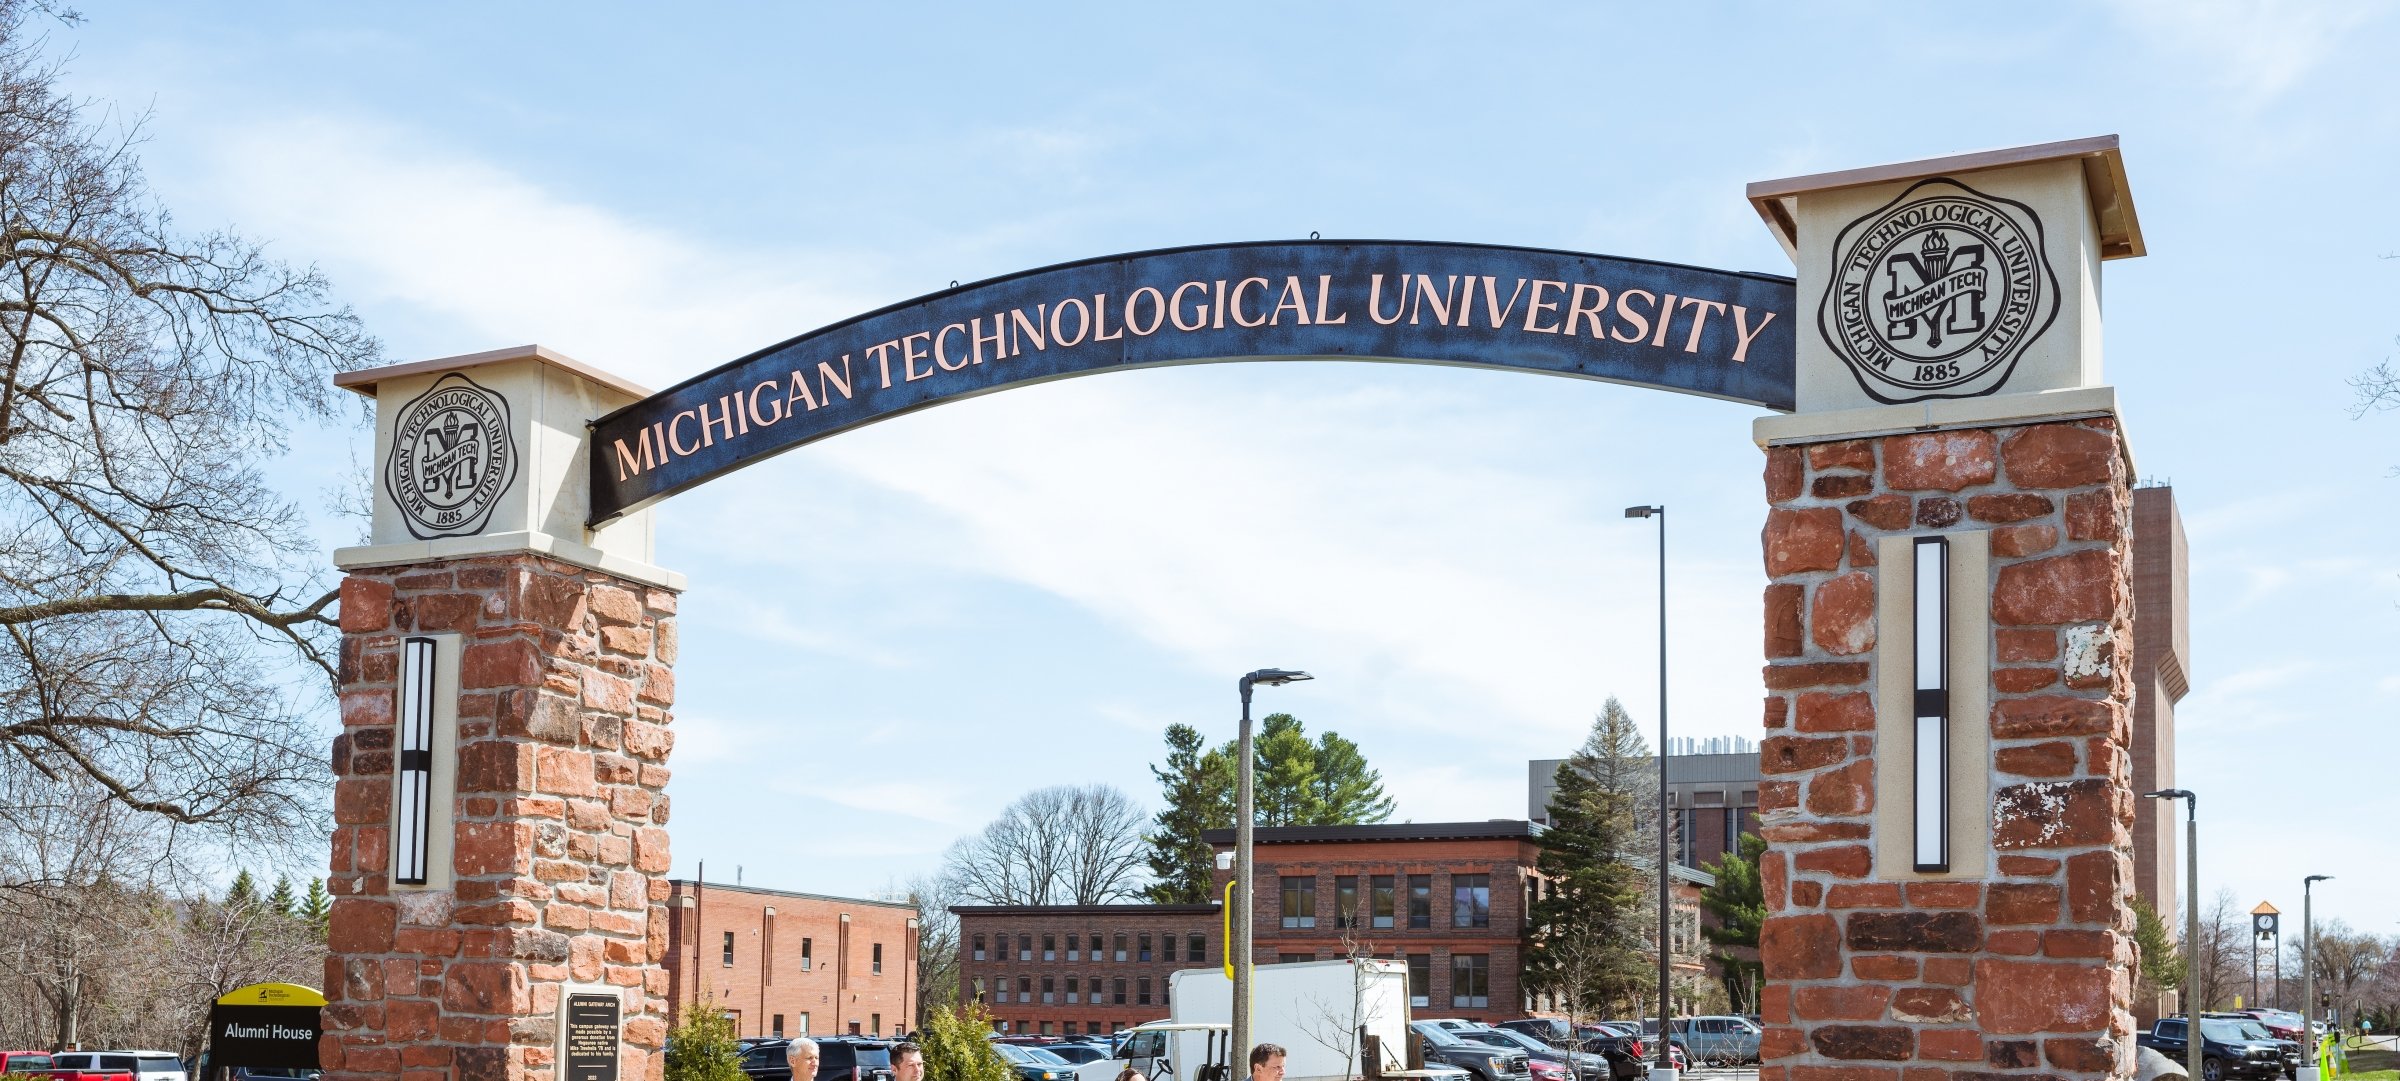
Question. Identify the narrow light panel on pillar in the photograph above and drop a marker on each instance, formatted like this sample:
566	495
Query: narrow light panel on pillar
1933	704
414	780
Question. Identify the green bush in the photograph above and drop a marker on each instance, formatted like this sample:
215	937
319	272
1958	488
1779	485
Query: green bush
958	1047
704	1047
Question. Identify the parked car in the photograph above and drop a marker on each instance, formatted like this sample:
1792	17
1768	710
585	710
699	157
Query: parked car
2255	1029
1482	1061
1720	1039
763	1060
94	1066
2227	1054
1076	1053
25	1062
1585	1065
1032	1063
1599	1039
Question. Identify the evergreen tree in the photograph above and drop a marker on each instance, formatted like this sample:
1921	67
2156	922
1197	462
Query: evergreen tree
958	1047
243	893
1348	791
1584	938
1198	786
1740	905
316	907
1286	774
2162	964
280	900
704	1047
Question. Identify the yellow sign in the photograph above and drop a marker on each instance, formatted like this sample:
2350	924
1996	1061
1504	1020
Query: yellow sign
271	994
1228	910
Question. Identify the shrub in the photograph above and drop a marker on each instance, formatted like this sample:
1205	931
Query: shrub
704	1047
958	1047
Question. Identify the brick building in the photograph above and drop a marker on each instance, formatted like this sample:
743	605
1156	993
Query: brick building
1712	798
791	964
1078	969
2162	650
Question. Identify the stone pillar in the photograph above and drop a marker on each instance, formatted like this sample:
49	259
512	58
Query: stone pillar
2023	963
1948	387
546	673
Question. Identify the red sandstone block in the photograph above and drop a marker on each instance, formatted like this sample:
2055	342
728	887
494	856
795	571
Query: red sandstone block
513	662
564	771
1841	618
2049	715
1886	512
1945	461
493	848
2014	943
1862	551
2095	515
1836	712
2062	942
650	853
1883	967
1860	1003
2095	880
1844	1073
2017	541
1950	1045
2055	758
485	988
1863	895
1857	454
2028	866
1803	540
2023	997
358	925
1929	1006
1849	790
1949	971
1783	620
1775	710
2019	645
1786	472
658	684
366	605
1924	1073
1841	861
369	1059
2059	456
1793	677
1809	832
1775	1003
1801	947
2058	814
2078	587
2022	680
1807	894
648	741
367	708
1800	754
2009	507
615	605
2090	1054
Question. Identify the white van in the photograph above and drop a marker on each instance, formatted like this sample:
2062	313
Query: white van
1312	1009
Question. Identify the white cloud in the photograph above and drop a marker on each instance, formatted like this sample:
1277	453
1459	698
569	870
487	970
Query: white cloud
2256	49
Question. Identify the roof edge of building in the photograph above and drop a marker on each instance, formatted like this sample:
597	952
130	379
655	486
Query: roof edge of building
680	885
1128	909
1497	829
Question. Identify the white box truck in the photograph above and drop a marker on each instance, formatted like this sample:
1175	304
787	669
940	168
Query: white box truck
1312	1009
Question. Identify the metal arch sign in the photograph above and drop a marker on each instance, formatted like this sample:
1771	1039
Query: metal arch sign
1715	333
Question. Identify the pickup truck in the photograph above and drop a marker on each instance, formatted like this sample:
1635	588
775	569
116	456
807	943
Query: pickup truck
2227	1051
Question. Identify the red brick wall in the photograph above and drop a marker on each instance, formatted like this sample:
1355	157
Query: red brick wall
2026	973
1132	921
561	777
837	987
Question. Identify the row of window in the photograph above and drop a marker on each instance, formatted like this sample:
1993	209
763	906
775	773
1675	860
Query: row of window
808	952
874	1025
1112	992
1470	901
1051	1028
1195	947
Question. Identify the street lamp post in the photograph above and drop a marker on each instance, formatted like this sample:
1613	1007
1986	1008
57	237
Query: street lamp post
2308	974
1666	1002
1243	815
2193	1042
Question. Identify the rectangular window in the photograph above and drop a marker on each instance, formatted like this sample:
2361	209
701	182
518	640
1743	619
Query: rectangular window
1294	958
1420	979
1120	947
878	960
1141	991
1299	902
1470	981
1116	991
1073	953
1144	942
1024	947
728	949
1345	901
1049	990
1074	991
1198	947
803	1024
1379	901
1470	900
779	1025
1049	947
875	1024
766	948
1098	954
1420	900
1024	988
1166	946
808	960
979	947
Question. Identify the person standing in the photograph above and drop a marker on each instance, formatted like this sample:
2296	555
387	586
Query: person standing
802	1054
1266	1063
908	1062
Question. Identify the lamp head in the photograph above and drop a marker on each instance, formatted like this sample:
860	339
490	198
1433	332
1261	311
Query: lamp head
2314	879
1275	677
2167	793
1643	512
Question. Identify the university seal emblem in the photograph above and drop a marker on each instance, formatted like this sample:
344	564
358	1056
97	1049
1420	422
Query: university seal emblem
451	458
1938	292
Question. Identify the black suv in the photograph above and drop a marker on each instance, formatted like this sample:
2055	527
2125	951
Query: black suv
839	1058
2226	1051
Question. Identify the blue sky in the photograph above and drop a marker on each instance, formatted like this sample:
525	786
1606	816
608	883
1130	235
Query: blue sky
893	633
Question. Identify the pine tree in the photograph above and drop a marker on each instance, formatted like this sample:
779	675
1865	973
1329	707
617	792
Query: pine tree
243	894
1348	791
280	900
1286	774
2162	964
1740	905
316	907
1198	789
1583	940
